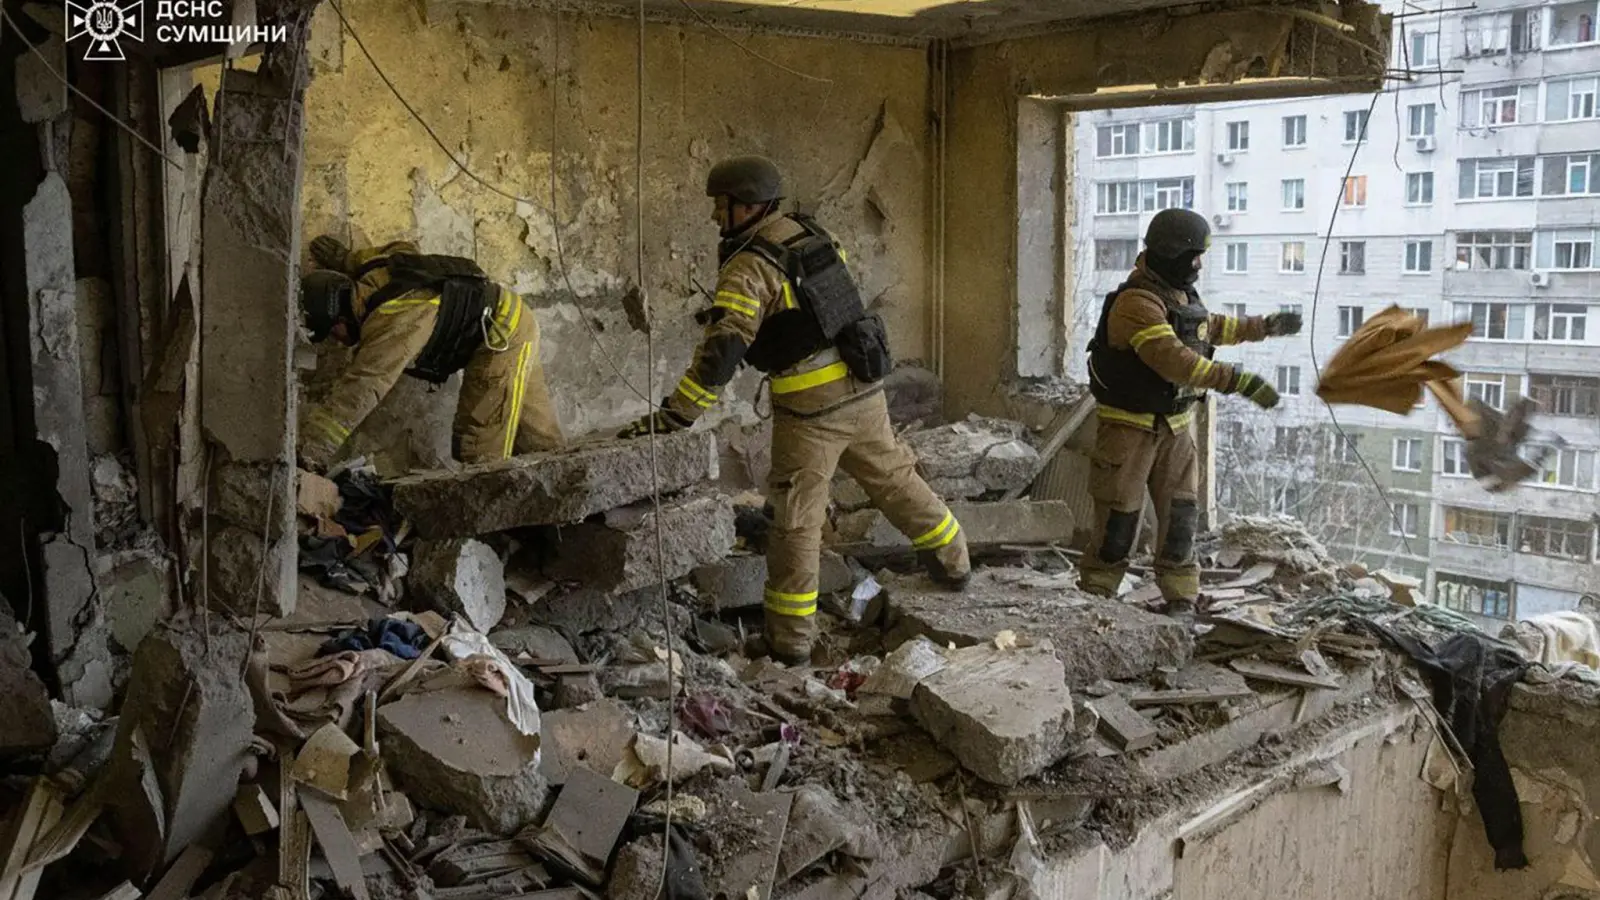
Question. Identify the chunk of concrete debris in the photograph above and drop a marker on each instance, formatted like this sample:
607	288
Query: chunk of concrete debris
577	690
905	668
30	724
619	553
978	456
1122	724
1004	714
183	738
460	576
1097	638
818	825
586	609
452	749
553	488
984	525
596	736
538	642
763	819
645	763
738	582
584	825
255	809
1281	539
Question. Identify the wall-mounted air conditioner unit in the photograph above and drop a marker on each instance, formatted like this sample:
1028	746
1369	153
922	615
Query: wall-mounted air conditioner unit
1222	220
1224	159
1425	144
1539	279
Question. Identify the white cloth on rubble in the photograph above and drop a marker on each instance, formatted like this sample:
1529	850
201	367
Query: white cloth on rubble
1554	638
463	644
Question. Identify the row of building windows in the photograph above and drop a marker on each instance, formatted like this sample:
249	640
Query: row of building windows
1562	250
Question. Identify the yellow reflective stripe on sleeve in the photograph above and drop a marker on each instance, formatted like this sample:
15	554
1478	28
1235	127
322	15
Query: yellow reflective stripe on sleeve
788	296
1230	330
696	394
940	535
790	384
739	303
394	306
1202	368
1146	421
1145	335
518	387
791	604
328	425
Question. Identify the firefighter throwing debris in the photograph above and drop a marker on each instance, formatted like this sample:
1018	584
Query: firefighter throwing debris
427	316
786	304
1149	362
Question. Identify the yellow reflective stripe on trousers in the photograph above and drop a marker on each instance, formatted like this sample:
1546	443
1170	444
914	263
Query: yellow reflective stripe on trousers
940	535
739	303
696	394
828	374
518	388
791	604
1145	335
1180	421
1112	414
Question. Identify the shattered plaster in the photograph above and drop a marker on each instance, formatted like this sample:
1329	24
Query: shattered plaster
483	78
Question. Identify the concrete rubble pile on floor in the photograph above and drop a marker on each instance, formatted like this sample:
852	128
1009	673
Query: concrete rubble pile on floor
508	720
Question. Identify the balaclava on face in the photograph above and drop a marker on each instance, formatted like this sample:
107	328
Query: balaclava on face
1178	272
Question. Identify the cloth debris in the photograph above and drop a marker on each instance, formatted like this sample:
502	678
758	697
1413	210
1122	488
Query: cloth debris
404	639
490	667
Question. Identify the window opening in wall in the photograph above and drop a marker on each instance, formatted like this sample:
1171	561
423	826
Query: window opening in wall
1419	188
1420	313
1289	380
1496	179
1495	321
1238	196
1294	193
1352	257
1355	126
1346	448
1494	249
1487	34
1491	389
1560	322
1555	538
1453	455
1570	249
1238	136
1117	140
1404	520
1424	49
1293	257
1294	308
1505	105
1420	120
1350	319
1116	254
1167	193
1570	175
1565	395
1572	23
1419	257
1169	136
1568	467
1477	528
1294	131
1355	191
1286	499
1238	258
1473	595
1234	310
1571	99
1408	454
1290	440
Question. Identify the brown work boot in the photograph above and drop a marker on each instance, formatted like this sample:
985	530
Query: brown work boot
1180	608
789	639
947	566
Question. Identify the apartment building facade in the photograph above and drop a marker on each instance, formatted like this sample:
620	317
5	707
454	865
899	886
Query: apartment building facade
1474	196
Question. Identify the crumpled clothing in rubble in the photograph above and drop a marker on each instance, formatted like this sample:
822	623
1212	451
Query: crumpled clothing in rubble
366	513
328	688
1472	678
406	640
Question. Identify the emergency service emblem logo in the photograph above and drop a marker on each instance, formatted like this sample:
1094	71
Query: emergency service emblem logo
105	23
1203	330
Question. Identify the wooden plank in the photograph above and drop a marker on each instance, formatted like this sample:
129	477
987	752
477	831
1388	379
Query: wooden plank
1267	671
585	823
184	873
123	891
61	839
40	812
338	845
1187	697
1068	421
1124	727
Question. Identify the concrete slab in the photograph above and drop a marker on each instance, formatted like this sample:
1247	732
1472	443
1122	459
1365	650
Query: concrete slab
619	553
1097	638
30	726
1004	714
453	750
552	488
460	576
594	737
737	582
984	524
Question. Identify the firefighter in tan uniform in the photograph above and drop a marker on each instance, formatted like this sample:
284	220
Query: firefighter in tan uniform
1149	362
786	305
428	316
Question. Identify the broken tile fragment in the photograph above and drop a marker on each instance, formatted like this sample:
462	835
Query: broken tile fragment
618	554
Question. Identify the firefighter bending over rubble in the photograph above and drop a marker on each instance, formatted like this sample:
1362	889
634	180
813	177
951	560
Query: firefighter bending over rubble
787	305
1149	362
428	316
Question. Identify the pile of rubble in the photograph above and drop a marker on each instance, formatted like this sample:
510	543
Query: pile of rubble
506	699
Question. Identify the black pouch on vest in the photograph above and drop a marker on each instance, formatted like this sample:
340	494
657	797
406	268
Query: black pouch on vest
864	347
458	332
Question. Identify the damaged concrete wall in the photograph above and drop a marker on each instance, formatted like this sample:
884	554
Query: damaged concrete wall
849	131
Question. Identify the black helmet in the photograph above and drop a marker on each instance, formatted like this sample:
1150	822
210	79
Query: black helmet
325	297
1174	232
747	179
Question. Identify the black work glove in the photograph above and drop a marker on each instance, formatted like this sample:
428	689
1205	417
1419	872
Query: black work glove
1283	323
1255	389
666	422
329	253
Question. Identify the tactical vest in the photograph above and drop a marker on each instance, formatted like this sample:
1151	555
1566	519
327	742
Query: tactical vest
466	296
1119	378
828	309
